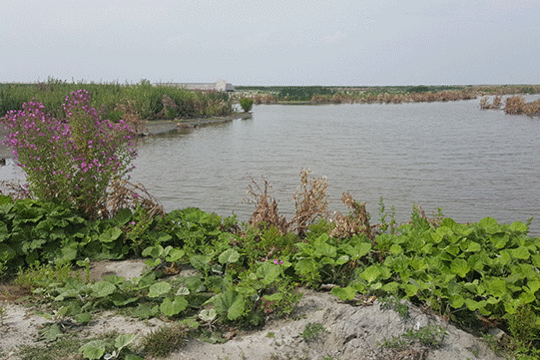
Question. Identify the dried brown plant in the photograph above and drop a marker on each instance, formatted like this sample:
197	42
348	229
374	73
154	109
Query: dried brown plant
266	214
496	104
124	194
532	108
131	117
515	105
356	222
14	189
310	199
310	202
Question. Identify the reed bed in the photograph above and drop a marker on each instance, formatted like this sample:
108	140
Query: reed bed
516	105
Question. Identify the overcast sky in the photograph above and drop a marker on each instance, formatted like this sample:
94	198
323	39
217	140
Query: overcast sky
272	42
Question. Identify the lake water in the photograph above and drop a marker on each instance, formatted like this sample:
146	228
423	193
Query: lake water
470	162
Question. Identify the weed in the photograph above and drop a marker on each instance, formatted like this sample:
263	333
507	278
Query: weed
64	348
431	336
524	327
270	335
41	276
427	337
312	331
161	342
391	302
356	222
2	315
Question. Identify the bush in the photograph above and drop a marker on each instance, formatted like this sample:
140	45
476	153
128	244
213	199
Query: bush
246	104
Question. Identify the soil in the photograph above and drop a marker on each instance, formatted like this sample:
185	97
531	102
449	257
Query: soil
350	331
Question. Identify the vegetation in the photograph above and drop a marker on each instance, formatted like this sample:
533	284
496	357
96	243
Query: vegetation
477	275
514	105
246	104
113	100
380	94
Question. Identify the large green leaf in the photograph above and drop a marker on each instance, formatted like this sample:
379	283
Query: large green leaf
519	227
371	273
94	350
230	303
268	272
229	256
344	294
110	235
456	301
489	224
103	289
200	262
521	253
460	267
122	217
173	306
159	289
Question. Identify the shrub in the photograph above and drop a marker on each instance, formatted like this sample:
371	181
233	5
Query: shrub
74	160
246	104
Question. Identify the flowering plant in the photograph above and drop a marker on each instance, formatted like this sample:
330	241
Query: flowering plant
169	106
71	160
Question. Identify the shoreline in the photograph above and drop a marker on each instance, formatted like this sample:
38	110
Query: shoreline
165	126
155	127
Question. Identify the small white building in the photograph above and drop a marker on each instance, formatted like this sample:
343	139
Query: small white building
220	85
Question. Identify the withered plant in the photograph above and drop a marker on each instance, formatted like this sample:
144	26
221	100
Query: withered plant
131	117
14	189
310	199
496	104
124	194
515	105
266	214
355	223
532	108
310	202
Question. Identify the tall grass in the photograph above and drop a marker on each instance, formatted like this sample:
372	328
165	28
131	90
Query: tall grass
144	98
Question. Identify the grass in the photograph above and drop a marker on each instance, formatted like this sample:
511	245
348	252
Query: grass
312	331
114	99
63	349
162	342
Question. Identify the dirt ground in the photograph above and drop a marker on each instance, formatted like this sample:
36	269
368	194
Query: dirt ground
350	332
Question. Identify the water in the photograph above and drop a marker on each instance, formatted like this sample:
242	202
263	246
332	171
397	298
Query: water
471	163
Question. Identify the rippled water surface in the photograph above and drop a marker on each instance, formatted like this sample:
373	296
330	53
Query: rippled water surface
469	162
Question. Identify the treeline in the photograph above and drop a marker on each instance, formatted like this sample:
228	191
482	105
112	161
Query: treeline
115	100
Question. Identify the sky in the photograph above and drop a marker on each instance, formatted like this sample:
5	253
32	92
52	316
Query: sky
272	42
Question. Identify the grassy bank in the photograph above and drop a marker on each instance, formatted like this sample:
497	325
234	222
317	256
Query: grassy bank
115	100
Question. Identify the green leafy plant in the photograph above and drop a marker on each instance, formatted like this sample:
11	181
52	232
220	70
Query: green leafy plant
96	349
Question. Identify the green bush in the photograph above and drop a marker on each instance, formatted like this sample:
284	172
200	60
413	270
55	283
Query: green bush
246	104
